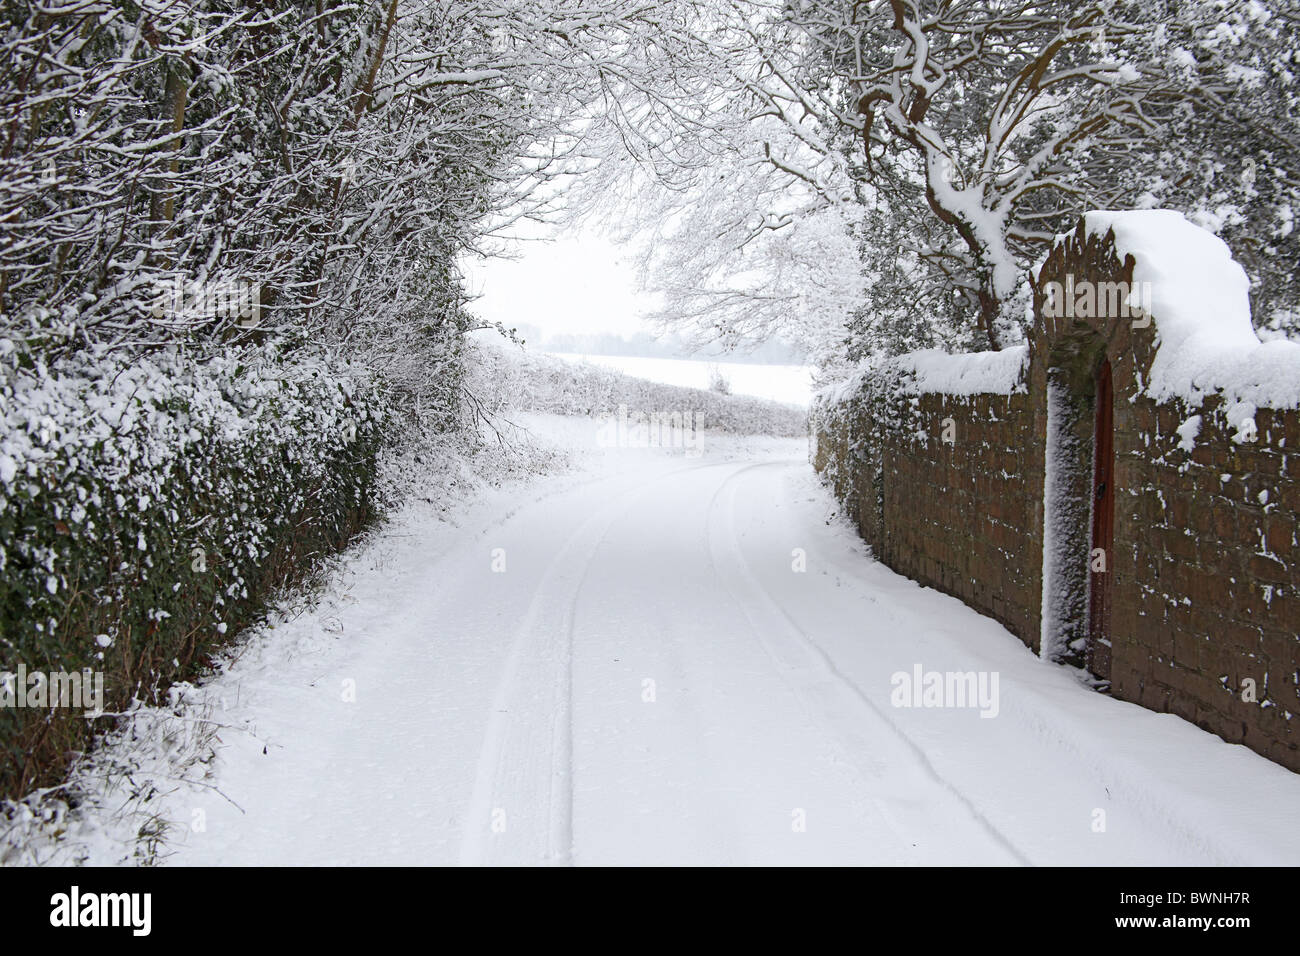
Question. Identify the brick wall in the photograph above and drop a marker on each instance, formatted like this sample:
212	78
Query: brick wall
955	514
948	489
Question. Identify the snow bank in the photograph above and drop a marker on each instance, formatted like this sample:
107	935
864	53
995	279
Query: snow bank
1200	304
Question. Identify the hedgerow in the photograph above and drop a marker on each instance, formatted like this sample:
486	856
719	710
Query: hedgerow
149	504
543	383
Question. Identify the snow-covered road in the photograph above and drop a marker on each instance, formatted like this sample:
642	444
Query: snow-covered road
664	659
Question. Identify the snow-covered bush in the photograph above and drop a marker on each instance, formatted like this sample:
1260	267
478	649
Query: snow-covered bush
509	378
149	504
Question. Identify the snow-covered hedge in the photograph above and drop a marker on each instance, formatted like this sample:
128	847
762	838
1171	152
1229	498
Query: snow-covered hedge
148	504
509	377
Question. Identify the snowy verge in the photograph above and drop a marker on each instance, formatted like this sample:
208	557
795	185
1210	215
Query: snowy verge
109	811
1058	751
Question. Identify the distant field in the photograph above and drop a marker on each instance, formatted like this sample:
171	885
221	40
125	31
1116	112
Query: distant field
791	384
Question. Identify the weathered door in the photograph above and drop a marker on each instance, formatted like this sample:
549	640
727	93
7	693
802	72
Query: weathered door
1103	528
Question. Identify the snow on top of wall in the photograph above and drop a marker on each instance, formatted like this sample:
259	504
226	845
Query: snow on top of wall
841	390
934	370
968	373
1200	304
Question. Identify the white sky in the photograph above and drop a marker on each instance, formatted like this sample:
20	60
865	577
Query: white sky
579	284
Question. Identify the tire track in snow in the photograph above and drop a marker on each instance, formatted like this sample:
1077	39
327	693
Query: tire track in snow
810	672
529	738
